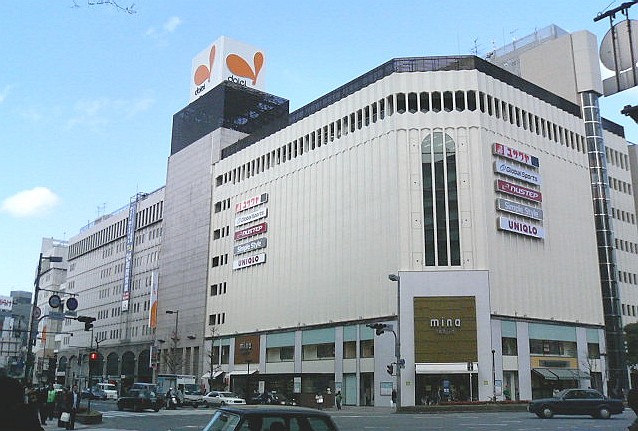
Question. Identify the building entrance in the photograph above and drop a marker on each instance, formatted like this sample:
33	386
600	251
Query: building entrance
431	389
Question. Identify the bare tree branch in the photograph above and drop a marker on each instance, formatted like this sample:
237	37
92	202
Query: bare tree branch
130	9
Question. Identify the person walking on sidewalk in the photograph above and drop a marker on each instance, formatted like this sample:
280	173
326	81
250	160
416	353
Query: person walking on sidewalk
72	403
15	414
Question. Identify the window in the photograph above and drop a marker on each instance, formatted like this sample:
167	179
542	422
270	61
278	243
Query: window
366	348
593	350
510	346
318	351
349	349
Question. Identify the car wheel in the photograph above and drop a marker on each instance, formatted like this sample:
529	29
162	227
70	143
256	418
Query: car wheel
156	409
604	413
120	407
547	412
195	406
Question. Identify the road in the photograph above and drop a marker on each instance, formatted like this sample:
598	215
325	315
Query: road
364	419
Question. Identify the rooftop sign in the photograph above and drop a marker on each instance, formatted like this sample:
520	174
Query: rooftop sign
227	60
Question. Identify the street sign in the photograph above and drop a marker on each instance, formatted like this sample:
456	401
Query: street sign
37	312
56	315
70	313
71	304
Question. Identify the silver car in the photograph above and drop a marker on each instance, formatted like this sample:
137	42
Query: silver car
221	398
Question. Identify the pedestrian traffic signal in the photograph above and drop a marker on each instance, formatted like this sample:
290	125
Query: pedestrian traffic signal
93	356
390	369
88	321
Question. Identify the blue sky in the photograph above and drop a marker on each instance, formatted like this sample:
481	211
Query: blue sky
87	93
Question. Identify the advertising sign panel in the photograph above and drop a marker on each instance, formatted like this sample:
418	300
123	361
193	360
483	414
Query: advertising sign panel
518	173
445	329
520	191
128	257
520	227
6	303
253	245
227	60
251	231
152	314
251	216
516	155
251	202
520	209
247	261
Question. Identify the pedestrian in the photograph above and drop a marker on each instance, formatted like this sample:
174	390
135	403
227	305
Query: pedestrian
51	402
41	396
71	405
319	400
338	399
15	414
632	400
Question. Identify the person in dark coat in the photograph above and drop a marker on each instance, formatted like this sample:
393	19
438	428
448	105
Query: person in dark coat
42	396
15	414
71	405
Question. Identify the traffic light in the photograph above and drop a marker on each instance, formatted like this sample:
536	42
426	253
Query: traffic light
93	356
380	328
88	321
390	369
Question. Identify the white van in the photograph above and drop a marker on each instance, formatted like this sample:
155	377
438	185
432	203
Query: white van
109	389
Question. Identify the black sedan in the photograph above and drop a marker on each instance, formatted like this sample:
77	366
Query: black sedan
576	402
139	399
270	418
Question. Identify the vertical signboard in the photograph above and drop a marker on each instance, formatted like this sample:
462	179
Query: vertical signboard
128	257
152	313
6	303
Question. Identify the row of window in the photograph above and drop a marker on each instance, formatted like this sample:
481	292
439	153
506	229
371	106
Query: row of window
222	259
435	101
627	277
217	319
628	310
145	217
627	246
616	158
619	185
221	232
550	348
218	289
625	216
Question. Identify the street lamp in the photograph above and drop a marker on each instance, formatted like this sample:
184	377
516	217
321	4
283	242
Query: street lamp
175	339
246	348
493	376
33	325
397	343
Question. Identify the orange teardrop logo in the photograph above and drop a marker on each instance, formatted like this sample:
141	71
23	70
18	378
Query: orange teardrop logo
202	73
240	67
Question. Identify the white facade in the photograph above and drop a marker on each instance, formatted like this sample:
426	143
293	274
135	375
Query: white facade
345	207
97	275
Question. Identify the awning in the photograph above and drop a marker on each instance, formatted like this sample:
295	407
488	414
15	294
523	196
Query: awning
215	375
239	373
561	373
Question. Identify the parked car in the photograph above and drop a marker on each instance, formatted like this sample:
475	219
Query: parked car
270	418
140	399
220	398
577	402
192	395
110	389
93	394
272	398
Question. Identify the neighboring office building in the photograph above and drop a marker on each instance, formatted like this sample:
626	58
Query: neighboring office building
470	183
111	270
14	322
47	341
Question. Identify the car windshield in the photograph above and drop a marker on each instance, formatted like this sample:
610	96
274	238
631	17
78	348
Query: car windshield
191	389
222	421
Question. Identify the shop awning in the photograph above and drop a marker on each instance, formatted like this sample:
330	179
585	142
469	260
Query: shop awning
446	368
215	375
561	373
239	373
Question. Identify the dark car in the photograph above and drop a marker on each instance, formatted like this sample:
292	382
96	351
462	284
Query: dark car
93	394
272	398
139	399
270	418
577	402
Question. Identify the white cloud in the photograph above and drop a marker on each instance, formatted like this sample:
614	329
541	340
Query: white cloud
4	93
30	202
99	112
172	24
